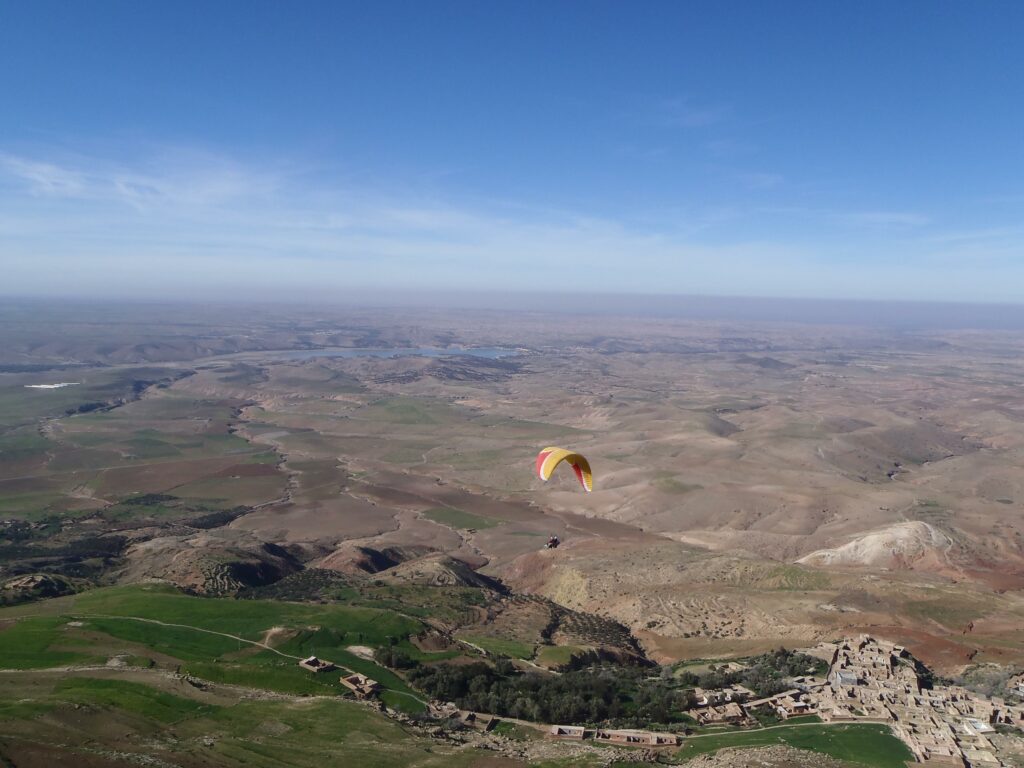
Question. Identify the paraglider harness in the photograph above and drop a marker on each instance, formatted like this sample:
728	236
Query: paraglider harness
553	543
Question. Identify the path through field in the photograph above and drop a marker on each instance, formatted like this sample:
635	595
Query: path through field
257	643
186	626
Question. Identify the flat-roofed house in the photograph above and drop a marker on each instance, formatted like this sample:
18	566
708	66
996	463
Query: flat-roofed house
728	713
637	738
313	664
361	685
846	678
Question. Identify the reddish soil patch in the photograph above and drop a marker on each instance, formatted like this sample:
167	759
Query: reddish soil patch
409	490
29	485
606	528
390	496
998	580
153	478
341	518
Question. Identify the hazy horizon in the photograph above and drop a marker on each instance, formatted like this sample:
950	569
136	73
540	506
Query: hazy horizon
867	313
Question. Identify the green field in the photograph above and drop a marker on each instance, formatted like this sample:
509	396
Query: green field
162	443
446	603
795	577
667	483
409	411
863	743
21	406
191	633
247	618
952	611
27	644
558	655
133	697
407	452
301	733
501	647
156	630
456	518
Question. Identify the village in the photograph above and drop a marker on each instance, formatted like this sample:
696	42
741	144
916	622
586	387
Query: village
871	681
868	680
876	681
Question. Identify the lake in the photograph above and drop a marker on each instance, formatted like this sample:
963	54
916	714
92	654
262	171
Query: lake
491	353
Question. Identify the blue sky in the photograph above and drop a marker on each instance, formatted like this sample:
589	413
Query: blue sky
813	149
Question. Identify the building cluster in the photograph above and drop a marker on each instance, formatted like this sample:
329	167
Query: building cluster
1016	685
875	681
721	707
942	725
362	686
446	710
627	737
868	681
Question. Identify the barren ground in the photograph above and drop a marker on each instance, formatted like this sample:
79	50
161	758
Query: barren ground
754	485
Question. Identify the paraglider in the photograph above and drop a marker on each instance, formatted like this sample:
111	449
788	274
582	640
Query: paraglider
551	457
553	543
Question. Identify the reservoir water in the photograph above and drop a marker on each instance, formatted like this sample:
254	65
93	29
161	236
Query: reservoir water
491	353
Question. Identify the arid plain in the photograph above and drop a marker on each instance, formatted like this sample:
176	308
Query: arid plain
755	484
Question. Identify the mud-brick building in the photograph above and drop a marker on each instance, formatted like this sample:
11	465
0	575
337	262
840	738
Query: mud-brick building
361	685
637	738
315	665
727	713
477	720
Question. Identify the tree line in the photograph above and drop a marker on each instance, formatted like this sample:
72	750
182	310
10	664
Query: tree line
765	675
623	696
620	695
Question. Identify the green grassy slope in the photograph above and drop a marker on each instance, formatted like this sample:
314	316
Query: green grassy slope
862	743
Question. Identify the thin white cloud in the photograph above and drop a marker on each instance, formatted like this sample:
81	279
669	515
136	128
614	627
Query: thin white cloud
876	219
188	223
176	178
44	179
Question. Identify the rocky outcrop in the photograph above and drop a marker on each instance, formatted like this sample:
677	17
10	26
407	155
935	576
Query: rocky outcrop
910	545
441	571
360	560
209	563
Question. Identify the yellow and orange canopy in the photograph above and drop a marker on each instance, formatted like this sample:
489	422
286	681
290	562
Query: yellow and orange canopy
551	457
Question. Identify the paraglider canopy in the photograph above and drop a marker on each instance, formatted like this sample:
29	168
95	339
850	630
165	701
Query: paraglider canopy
552	456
